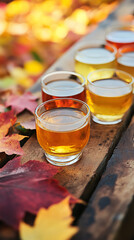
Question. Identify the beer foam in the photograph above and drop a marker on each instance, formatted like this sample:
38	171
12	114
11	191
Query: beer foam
94	56
110	88
121	36
127	59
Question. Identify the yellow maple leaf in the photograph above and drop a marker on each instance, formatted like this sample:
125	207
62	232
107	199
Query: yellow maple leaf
33	67
51	223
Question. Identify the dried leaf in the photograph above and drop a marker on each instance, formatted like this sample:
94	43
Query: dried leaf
29	124
19	103
9	144
51	223
27	188
25	121
7	119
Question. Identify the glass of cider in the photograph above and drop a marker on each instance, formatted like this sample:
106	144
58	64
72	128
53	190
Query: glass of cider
120	35
64	131
109	95
92	57
125	59
63	84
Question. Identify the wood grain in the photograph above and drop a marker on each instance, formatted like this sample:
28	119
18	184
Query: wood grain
103	217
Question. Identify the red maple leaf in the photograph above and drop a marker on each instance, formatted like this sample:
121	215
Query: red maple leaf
9	144
21	102
27	188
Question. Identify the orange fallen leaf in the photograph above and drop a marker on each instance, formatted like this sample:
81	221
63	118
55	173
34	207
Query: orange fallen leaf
51	223
7	119
9	143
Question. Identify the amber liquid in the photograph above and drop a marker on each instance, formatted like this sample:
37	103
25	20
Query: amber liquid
126	62
90	59
60	133
63	88
120	38
109	105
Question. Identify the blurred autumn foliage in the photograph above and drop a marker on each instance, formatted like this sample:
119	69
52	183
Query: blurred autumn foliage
34	33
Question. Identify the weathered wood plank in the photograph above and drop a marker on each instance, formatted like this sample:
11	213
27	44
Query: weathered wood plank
111	200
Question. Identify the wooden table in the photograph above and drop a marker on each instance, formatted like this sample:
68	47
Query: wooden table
104	176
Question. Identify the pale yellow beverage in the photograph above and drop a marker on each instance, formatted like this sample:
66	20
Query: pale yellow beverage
125	60
109	99
90	59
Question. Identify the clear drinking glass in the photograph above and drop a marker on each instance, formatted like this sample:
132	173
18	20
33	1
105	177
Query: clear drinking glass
92	57
63	84
125	59
109	95
64	131
120	35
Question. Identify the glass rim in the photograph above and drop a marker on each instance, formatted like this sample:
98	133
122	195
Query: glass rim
96	45
52	100
44	76
109	69
118	26
126	46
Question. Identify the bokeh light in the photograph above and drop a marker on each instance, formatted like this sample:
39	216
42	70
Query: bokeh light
34	33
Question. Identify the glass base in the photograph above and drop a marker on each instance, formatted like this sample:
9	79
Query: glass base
105	122
63	161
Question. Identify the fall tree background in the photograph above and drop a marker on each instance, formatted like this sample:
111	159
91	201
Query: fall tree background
33	34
